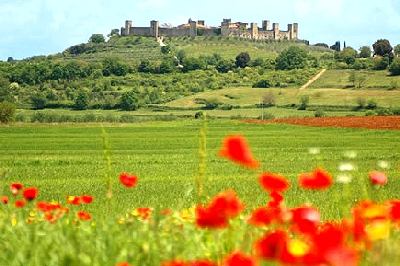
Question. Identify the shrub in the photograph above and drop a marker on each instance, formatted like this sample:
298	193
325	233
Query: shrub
394	68
39	101
82	100
145	67
166	49
380	63
199	115
129	101
269	99
224	66
242	60
262	84
7	112
319	113
304	101
166	66
371	104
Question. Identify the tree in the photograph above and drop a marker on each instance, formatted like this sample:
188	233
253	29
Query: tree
383	48
114	32
97	38
81	100
394	68
292	58
348	55
397	50
242	60
129	101
365	52
10	59
7	112
112	66
381	63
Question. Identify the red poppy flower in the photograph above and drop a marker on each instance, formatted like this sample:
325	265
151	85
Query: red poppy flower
74	200
20	203
30	193
15	188
4	199
87	199
274	182
84	216
144	213
378	178
202	263
394	206
271	245
319	179
128	180
223	207
276	200
123	264
235	148
239	259
264	216
306	219
175	263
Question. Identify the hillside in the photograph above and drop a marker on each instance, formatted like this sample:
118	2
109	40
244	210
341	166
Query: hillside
134	49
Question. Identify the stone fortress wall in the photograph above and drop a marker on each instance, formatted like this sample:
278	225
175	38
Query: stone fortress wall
227	28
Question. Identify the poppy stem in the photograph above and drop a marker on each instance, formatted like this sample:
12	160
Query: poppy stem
107	159
200	179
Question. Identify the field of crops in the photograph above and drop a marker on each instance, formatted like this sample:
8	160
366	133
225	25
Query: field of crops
78	160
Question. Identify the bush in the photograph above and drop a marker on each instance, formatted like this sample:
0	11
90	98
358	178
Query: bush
394	68
269	99
262	84
39	101
371	104
81	100
166	49
381	63
7	112
145	67
129	101
242	60
304	101
199	115
319	113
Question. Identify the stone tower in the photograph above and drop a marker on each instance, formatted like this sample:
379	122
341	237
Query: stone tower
265	25
154	25
128	26
290	30
295	31
193	28
275	28
254	30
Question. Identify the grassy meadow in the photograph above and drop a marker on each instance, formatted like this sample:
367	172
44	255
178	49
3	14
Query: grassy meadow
65	160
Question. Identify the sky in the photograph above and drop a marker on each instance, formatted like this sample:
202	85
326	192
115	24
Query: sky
42	27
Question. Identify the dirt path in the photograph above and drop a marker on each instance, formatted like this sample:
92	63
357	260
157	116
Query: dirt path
311	81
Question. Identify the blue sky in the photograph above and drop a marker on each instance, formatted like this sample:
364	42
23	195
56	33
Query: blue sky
36	27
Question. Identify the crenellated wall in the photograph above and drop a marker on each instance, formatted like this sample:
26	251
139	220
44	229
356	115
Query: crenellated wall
227	28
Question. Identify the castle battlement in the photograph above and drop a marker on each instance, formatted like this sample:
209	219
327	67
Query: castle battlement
227	28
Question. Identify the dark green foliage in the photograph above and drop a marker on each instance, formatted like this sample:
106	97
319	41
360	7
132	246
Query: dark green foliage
322	45
397	50
348	55
382	48
145	67
97	38
394	68
262	84
371	104
365	52
199	115
166	49
224	66
193	63
77	49
39	101
166	66
82	100
130	101
113	66
7	112
381	63
292	58
181	55
242	60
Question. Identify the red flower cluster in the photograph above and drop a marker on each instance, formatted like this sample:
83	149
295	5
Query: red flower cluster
319	180
219	211
128	180
189	263
235	148
83	216
78	200
52	211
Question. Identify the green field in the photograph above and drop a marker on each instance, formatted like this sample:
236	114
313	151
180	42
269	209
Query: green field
69	160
